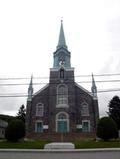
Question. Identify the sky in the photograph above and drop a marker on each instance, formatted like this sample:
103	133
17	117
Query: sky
29	31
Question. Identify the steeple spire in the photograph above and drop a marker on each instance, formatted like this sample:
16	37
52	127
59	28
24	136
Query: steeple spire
94	88
61	41
61	55
30	89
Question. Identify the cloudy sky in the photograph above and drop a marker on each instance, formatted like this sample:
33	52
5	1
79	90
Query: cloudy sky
29	31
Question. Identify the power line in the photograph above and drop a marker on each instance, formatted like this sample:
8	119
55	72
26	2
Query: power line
40	83
25	95
26	78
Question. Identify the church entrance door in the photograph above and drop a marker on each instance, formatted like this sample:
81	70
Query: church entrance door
62	122
62	126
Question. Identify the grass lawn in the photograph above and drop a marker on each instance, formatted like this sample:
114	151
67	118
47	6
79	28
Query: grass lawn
90	143
81	144
22	145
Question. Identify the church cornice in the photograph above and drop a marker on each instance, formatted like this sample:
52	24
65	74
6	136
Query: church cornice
66	69
62	49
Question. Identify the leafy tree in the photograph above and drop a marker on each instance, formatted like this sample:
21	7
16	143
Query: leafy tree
15	130
21	113
107	129
114	110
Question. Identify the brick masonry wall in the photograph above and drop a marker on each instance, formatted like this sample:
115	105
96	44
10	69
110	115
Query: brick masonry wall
48	96
60	137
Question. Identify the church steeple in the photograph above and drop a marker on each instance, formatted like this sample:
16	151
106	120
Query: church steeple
61	55
30	89
61	41
94	88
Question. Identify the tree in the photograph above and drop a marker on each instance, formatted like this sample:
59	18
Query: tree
114	110
21	113
15	130
6	118
107	129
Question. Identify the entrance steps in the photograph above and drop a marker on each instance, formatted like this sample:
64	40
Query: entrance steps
60	145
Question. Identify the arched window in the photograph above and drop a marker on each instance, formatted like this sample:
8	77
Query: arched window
39	109
62	94
84	109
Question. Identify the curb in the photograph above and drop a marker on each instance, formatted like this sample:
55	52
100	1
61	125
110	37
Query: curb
61	150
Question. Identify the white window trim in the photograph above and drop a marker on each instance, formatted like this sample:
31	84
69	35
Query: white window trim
38	105
85	103
88	124
62	105
37	121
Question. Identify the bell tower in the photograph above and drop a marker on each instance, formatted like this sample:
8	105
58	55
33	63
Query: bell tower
61	55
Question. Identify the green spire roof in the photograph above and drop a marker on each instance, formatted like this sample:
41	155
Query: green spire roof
61	55
30	89
30	85
61	41
94	88
93	81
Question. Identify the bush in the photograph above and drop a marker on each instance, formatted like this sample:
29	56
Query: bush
107	129
15	130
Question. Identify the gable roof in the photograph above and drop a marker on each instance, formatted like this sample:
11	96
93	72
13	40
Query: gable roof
85	90
43	88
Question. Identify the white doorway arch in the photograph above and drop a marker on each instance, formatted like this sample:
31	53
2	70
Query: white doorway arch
62	122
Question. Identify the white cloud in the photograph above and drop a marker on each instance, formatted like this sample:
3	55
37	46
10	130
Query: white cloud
29	35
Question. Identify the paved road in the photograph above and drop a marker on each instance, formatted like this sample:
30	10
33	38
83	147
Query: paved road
60	155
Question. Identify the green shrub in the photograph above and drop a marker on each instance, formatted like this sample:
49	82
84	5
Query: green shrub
15	130
107	129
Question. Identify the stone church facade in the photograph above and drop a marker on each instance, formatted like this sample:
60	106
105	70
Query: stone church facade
62	107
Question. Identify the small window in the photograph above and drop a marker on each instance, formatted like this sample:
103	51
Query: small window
39	110
3	132
84	109
61	73
39	126
86	126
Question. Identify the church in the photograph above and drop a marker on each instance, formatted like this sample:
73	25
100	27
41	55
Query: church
62	107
